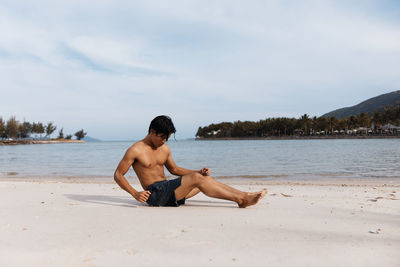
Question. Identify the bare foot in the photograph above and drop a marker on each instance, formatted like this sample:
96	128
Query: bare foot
252	198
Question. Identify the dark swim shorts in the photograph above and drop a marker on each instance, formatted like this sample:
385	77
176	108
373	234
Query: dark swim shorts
163	193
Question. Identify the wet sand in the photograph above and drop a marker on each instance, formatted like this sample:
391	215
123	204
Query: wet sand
77	223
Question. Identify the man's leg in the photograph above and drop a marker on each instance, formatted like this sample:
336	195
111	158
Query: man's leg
195	190
192	193
227	187
212	188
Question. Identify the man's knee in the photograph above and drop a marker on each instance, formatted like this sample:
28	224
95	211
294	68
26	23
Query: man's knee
197	178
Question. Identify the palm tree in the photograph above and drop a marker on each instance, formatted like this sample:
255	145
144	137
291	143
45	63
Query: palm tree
38	128
25	129
2	128
352	122
377	118
305	121
50	128
61	134
341	124
12	128
80	134
363	119
332	123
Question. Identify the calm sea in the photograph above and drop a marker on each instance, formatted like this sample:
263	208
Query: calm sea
257	159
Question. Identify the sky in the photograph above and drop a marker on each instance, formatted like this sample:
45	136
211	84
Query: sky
110	67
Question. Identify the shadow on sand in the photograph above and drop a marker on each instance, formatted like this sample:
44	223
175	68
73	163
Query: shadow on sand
132	203
106	200
210	204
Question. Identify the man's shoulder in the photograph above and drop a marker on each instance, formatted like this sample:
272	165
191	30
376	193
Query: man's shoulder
166	147
140	146
135	148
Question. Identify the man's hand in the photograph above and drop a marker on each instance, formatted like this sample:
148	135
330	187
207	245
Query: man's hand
142	196
205	172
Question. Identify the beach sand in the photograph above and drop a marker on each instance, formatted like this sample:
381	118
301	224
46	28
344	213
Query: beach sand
50	223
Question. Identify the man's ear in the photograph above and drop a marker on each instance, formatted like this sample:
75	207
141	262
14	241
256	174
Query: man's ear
152	132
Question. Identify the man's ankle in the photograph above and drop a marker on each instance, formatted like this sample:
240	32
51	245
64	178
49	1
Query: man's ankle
240	199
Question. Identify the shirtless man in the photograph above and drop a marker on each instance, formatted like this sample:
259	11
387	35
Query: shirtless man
148	158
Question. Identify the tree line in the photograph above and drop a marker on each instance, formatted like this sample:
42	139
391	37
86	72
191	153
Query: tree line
363	123
14	129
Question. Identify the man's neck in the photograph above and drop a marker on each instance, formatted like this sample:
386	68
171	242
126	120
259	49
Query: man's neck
147	141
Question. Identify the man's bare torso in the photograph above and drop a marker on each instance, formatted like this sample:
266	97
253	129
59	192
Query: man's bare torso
149	164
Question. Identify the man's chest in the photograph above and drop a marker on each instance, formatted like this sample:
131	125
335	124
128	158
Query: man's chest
150	160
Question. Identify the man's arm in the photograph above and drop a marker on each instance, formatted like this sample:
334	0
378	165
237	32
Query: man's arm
179	171
122	169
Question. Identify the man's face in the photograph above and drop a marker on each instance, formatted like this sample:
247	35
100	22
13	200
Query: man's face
159	139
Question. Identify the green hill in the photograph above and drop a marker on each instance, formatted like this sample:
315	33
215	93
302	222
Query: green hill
377	103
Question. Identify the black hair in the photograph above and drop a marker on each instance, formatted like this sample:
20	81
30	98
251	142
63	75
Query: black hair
162	125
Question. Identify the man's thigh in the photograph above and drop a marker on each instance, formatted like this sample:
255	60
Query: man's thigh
187	185
192	193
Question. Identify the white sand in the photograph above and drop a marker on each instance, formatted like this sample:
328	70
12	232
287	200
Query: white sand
97	224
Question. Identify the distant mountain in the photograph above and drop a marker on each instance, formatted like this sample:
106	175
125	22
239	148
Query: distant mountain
377	103
90	139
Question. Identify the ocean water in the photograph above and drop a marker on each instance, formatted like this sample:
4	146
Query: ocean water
256	159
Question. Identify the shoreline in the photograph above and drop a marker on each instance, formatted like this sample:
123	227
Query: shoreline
299	137
331	181
30	142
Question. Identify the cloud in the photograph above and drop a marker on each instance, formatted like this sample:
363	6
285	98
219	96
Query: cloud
115	65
